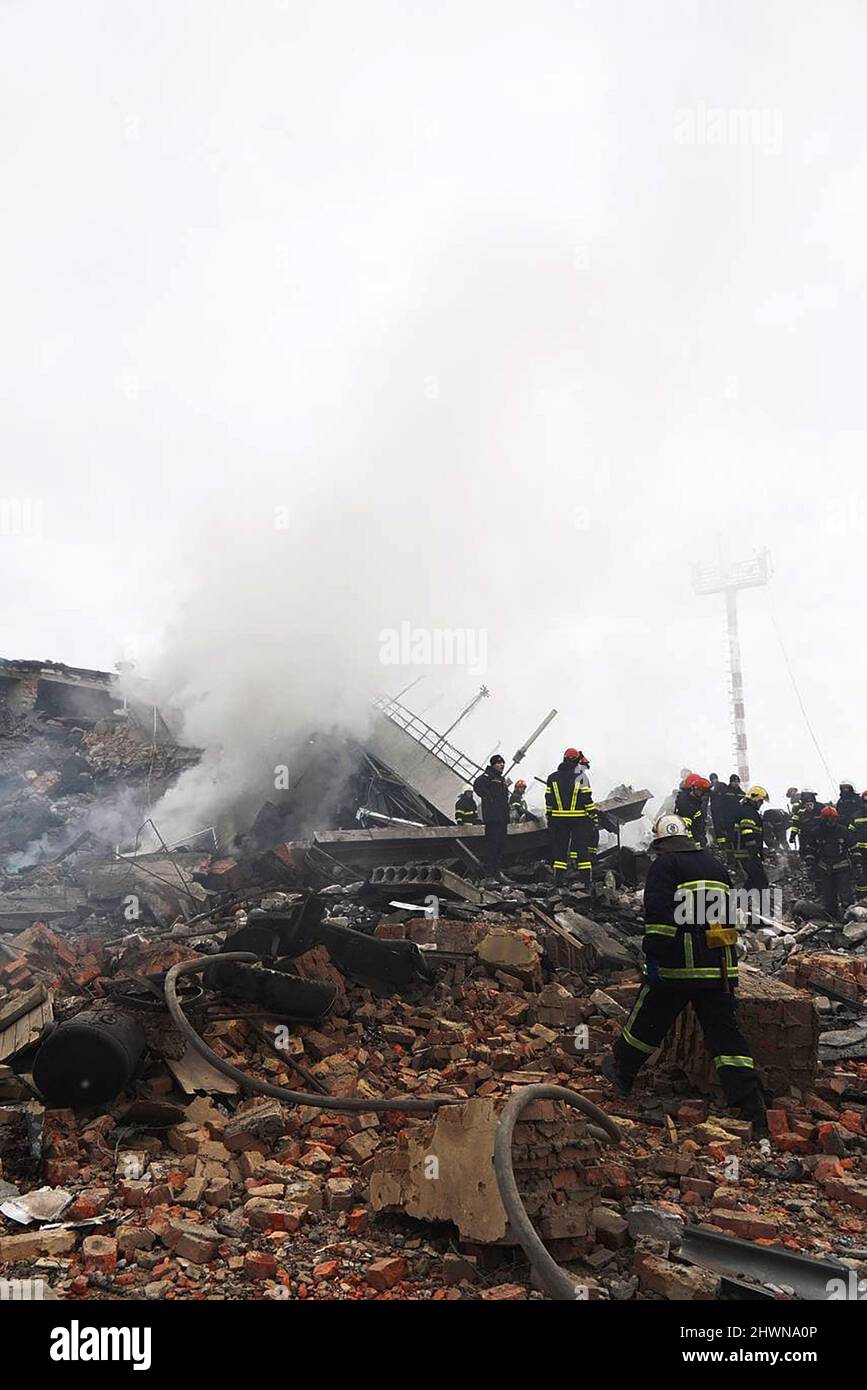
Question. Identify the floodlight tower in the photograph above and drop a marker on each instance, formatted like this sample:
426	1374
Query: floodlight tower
728	579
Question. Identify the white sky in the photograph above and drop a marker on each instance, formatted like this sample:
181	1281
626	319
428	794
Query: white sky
445	281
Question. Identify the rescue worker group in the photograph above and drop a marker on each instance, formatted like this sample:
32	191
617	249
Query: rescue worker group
711	838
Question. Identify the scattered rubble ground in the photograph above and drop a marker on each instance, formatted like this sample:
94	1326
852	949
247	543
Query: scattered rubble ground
176	1185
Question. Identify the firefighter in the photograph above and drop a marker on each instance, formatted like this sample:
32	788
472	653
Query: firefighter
712	799
829	860
749	845
491	789
466	810
725	816
804	822
775	824
858	842
689	805
849	803
690	957
572	819
518	809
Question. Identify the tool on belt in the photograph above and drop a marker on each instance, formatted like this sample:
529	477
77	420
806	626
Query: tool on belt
716	937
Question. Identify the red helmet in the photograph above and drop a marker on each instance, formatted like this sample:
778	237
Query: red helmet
571	755
696	783
828	813
520	785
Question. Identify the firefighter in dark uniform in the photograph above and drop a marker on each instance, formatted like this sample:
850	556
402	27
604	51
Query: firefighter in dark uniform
466	810
749	836
572	819
491	789
829	860
849	804
519	812
805	818
690	958
858	842
725	815
689	805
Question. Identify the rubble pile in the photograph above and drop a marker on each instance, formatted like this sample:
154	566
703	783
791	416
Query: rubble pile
184	1188
380	966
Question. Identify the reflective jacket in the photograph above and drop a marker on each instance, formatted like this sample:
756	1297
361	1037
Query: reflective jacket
518	811
568	796
466	811
858	827
749	832
691	810
848	807
682	898
830	845
805	821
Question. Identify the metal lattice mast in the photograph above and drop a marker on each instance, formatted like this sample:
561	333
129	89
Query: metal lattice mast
728	580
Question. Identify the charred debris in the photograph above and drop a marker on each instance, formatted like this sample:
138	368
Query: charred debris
225	1064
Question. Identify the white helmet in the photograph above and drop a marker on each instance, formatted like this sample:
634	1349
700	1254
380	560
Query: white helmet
664	827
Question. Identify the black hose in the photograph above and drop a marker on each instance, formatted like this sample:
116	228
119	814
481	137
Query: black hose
265	1088
556	1283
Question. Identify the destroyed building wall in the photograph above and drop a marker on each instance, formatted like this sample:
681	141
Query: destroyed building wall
422	769
443	1171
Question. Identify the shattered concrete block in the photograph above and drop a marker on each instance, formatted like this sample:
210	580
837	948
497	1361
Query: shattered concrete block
680	1283
443	1171
513	951
661	1221
261	1120
31	1244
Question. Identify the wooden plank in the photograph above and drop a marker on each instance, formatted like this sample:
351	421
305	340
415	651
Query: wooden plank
25	1030
21	1004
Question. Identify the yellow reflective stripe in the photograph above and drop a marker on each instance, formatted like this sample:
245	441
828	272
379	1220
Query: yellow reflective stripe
733	1062
688	955
555	788
699	883
567	813
659	929
642	995
635	1042
698	974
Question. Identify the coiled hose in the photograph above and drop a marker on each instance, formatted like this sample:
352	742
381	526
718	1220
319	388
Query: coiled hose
556	1283
265	1088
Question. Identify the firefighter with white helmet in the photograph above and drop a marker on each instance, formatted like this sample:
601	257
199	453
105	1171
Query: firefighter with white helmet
690	957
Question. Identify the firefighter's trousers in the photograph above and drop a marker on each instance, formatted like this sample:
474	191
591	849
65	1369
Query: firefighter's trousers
656	1010
571	845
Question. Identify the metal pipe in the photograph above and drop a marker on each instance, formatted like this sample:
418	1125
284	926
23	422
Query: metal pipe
522	751
556	1283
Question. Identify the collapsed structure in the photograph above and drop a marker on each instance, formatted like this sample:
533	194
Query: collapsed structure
401	999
